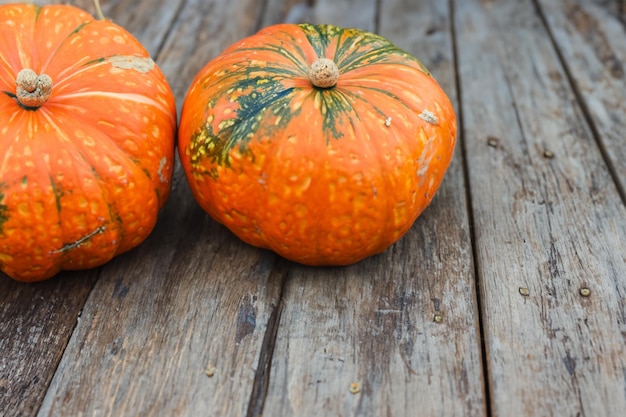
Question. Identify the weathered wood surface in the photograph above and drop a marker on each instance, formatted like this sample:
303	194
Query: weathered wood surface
435	326
591	43
552	223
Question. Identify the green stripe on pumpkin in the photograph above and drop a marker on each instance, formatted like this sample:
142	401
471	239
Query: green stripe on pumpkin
358	48
58	193
4	215
265	92
37	12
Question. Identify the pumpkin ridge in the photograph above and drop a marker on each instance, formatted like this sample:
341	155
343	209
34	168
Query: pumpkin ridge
134	97
374	57
252	105
58	193
348	43
357	46
77	68
377	109
283	52
384	92
94	61
67	247
229	79
238	131
355	50
89	64
53	53
319	36
73	70
38	9
336	106
80	156
121	154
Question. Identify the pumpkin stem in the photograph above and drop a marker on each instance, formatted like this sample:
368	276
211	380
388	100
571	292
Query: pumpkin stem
324	73
99	13
32	90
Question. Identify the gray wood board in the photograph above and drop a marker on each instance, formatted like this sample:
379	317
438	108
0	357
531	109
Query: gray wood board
548	221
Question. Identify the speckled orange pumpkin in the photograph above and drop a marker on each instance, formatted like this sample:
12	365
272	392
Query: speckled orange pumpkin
87	125
321	143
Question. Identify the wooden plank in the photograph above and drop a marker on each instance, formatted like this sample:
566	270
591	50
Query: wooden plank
286	11
149	20
373	324
176	326
36	322
549	224
590	39
357	13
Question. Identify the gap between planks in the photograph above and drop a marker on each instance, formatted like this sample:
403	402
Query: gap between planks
470	211
589	119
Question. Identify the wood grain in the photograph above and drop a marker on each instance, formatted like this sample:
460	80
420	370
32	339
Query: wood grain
546	224
195	322
36	322
363	340
590	41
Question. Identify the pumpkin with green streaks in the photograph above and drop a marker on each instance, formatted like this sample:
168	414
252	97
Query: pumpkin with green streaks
321	143
87	135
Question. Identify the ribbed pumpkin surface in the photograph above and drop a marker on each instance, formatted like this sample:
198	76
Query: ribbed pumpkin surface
322	176
83	174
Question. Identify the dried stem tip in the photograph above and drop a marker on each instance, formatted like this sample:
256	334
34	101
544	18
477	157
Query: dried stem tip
32	90
323	73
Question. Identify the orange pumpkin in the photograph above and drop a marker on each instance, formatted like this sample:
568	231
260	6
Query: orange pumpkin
321	143
87	135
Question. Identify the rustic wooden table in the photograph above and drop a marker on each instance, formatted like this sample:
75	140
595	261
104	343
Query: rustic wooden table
506	298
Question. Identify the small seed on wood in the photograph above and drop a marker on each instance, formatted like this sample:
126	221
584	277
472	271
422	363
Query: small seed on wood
584	292
438	318
355	388
524	291
210	370
492	142
548	154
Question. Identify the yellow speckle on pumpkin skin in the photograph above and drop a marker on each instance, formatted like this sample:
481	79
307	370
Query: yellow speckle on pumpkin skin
210	371
162	164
